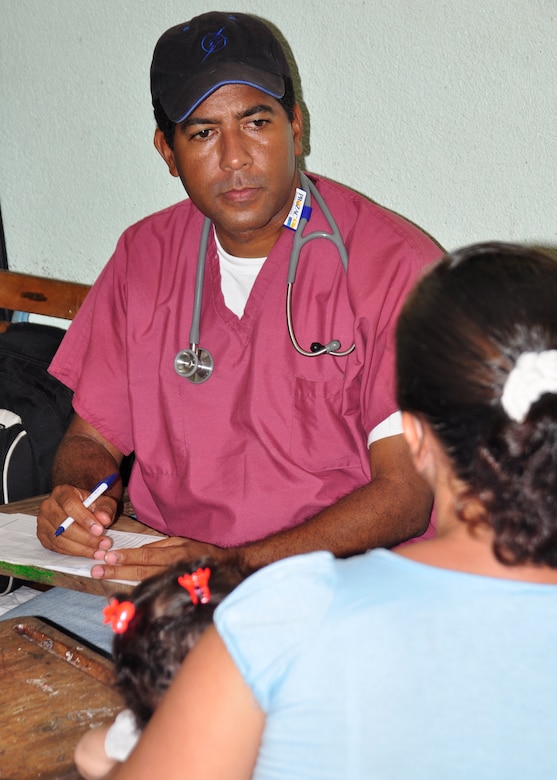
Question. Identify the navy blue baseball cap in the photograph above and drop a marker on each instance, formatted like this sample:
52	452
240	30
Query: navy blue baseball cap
195	58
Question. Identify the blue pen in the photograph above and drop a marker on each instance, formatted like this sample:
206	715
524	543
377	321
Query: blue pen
97	491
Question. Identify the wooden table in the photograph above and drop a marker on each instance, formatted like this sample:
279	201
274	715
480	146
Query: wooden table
47	577
52	690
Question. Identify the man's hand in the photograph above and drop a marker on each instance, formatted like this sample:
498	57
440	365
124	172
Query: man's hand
141	562
86	534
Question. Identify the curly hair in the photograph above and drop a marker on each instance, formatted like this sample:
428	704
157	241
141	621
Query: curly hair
165	627
459	335
168	127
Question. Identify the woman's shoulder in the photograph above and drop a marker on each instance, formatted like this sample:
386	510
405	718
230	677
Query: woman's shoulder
299	591
305	576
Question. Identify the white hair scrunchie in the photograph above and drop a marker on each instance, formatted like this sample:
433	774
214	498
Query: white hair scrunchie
534	374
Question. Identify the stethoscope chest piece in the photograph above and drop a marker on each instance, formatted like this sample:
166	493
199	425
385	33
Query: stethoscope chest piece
195	364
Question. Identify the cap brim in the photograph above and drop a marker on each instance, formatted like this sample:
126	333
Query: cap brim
180	104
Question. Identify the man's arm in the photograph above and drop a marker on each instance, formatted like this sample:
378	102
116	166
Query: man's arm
395	506
83	458
392	508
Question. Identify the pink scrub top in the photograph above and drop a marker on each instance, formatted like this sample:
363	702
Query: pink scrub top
272	437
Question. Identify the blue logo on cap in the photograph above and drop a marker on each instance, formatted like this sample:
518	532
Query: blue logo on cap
213	42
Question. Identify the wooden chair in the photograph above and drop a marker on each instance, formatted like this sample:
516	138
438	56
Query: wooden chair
40	295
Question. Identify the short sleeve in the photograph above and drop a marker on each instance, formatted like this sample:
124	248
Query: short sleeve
92	358
270	617
380	279
122	736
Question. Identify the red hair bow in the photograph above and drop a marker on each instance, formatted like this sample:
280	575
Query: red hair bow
119	615
197	585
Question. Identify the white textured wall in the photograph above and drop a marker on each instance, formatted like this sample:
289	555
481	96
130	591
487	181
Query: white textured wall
442	110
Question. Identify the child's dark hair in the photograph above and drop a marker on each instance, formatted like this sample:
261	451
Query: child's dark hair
165	627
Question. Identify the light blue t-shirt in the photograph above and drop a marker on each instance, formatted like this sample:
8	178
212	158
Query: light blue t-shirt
380	667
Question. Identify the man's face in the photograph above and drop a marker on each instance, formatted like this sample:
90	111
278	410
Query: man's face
236	157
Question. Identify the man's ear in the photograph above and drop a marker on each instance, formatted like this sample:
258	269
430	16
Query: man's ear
298	131
165	151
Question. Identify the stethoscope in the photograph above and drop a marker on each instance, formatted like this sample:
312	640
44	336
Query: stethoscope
196	363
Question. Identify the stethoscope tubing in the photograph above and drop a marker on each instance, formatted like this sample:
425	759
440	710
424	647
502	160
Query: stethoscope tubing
333	346
195	363
199	278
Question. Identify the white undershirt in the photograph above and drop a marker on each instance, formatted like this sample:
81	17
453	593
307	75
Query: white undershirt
238	275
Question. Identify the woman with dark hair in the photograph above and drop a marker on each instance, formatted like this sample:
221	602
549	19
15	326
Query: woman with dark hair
436	660
477	362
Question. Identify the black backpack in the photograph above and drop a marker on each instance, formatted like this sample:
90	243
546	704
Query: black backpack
35	409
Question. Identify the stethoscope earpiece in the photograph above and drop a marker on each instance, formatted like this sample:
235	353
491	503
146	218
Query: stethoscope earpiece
323	349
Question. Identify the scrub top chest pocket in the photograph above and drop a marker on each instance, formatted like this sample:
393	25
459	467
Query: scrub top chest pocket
322	438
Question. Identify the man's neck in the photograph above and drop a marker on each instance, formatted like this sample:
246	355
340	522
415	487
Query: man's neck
260	242
247	244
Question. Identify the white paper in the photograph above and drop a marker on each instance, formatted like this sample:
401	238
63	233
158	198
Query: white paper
19	545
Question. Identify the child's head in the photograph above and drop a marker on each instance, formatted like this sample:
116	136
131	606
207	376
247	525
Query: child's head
166	624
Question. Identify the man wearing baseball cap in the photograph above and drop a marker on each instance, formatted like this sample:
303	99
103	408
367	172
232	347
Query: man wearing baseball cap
245	448
194	59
